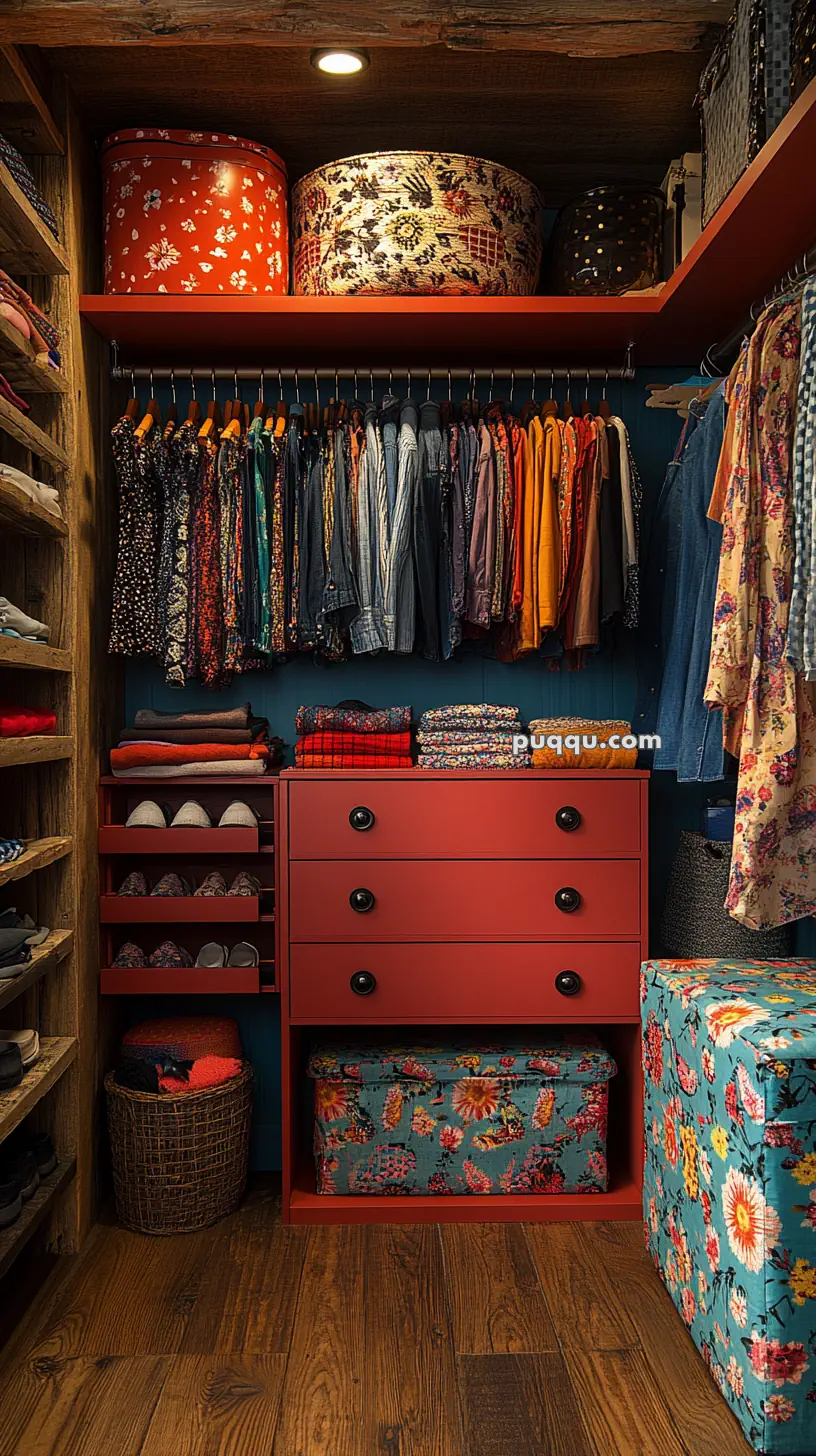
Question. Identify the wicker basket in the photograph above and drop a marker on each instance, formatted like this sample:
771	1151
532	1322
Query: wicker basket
179	1162
415	222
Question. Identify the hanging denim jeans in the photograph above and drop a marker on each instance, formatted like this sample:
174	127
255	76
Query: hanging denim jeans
691	736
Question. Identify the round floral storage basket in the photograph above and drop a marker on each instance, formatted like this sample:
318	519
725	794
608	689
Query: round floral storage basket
179	1162
415	222
193	212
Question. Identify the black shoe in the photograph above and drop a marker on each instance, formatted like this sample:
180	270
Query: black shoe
24	1168
43	1149
11	1066
11	1200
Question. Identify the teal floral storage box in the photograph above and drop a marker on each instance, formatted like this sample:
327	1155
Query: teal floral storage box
729	1052
465	1118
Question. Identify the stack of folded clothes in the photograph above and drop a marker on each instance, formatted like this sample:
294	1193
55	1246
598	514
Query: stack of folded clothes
179	745
470	735
353	735
18	722
19	309
19	936
589	743
36	490
24	177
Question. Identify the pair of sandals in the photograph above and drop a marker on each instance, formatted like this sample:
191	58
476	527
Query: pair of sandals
173	885
171	957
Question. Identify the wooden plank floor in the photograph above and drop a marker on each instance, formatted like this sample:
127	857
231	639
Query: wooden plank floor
252	1339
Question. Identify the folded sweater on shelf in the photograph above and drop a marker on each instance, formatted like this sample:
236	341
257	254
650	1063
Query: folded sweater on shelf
474	760
355	760
219	768
146	734
352	717
470	716
18	722
585	729
361	745
212	718
145	755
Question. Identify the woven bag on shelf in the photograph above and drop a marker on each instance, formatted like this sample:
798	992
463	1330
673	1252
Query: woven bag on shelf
415	222
179	1162
744	94
695	925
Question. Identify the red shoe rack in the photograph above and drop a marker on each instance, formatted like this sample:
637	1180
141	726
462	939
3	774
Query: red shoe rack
191	921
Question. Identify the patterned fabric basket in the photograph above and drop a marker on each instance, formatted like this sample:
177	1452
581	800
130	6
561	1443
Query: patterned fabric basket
193	212
415	222
179	1162
744	94
519	1117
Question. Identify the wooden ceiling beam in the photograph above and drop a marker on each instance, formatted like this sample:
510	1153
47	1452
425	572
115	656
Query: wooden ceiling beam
602	28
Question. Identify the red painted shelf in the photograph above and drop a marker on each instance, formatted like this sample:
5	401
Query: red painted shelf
232	781
170	909
116	839
624	1201
768	221
373	331
172	981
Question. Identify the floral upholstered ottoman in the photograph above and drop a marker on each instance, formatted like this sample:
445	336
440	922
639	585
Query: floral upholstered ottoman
730	1179
518	1117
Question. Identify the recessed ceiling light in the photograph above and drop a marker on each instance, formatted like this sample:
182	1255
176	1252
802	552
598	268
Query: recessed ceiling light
340	63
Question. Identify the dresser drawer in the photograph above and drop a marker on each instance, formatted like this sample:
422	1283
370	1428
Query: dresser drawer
464	818
418	982
488	900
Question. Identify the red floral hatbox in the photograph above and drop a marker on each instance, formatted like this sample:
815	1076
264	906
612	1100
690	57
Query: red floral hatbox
193	212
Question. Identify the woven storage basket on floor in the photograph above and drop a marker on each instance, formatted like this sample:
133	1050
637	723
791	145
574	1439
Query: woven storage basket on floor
179	1162
415	222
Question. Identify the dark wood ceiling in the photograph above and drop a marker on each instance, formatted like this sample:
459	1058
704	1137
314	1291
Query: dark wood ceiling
564	122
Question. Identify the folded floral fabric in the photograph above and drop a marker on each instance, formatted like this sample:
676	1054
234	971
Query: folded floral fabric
464	714
24	177
348	718
45	336
22	722
474	760
356	743
143	755
356	760
221	768
488	738
557	755
212	718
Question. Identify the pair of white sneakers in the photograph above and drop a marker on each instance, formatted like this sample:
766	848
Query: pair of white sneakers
192	815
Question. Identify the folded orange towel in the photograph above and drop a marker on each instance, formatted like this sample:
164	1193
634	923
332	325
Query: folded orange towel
147	755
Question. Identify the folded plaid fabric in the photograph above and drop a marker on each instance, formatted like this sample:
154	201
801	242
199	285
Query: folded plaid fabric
361	744
24	177
464	714
322	719
355	760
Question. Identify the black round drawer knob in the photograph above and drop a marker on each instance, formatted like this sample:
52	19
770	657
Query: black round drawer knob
361	900
568	983
363	983
361	818
568	818
567	899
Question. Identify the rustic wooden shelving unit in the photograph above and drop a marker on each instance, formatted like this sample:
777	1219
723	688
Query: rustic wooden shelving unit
47	782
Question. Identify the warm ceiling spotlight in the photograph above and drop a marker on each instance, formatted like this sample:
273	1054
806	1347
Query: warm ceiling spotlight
340	63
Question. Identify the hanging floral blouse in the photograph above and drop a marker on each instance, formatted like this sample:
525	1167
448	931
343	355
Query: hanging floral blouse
768	718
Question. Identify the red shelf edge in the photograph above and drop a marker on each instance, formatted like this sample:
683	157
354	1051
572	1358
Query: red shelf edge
178	909
187	981
116	839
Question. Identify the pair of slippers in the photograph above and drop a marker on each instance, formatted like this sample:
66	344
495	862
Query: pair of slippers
213	956
192	815
172	885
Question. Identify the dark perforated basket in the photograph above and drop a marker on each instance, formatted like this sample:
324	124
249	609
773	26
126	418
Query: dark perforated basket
179	1162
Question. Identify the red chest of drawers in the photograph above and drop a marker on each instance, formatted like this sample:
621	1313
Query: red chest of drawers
418	899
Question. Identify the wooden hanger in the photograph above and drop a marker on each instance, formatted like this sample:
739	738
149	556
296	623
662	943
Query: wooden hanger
151	417
260	409
281	417
194	408
551	405
132	409
212	422
605	408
